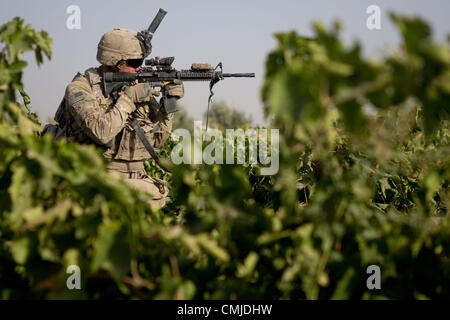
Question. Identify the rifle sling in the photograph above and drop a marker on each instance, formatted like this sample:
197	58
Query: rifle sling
140	133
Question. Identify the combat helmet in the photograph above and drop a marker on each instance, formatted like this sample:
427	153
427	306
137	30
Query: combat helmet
122	44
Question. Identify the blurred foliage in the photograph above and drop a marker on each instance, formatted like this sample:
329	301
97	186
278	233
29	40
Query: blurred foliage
221	116
17	39
183	120
352	190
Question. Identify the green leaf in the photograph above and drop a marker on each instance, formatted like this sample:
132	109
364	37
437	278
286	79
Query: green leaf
71	257
211	247
20	250
416	33
249	265
188	288
343	287
268	237
113	249
354	119
432	183
58	212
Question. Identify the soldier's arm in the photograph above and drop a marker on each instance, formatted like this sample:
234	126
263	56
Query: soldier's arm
100	125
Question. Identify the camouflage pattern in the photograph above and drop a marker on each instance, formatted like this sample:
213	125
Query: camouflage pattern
119	44
90	117
139	92
97	116
201	67
135	175
176	90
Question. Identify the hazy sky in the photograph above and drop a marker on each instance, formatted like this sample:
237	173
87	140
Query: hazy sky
237	33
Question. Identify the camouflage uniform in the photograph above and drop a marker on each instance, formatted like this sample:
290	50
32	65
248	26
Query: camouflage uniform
87	116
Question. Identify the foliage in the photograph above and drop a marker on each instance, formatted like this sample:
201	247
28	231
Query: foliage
222	117
183	120
353	190
18	39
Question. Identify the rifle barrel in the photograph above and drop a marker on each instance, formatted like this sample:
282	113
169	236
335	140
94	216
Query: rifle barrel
238	75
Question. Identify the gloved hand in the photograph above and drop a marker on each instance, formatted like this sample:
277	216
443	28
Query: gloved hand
140	92
175	90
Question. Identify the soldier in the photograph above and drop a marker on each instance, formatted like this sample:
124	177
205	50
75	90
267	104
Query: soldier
86	115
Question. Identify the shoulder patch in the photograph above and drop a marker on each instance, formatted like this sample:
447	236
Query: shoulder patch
74	98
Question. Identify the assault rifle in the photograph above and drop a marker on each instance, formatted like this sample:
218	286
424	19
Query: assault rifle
159	72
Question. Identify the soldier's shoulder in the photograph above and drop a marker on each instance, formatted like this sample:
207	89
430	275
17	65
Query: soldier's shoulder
79	83
79	90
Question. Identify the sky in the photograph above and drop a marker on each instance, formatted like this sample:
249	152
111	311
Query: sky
238	33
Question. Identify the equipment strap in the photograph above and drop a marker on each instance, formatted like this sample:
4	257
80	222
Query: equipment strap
211	85
140	133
